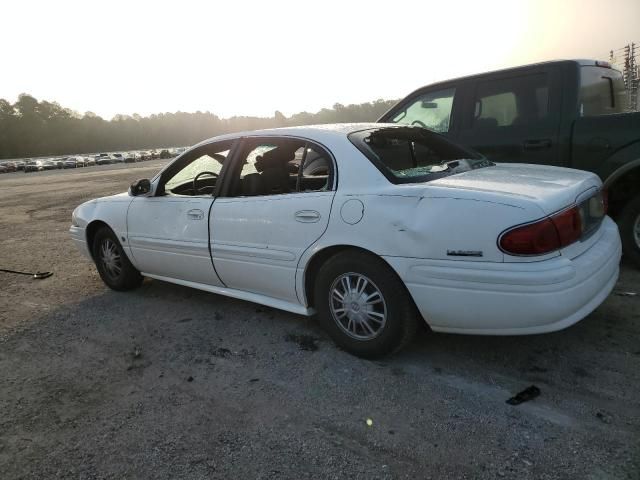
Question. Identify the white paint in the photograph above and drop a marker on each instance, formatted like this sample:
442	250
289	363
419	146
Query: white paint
169	236
352	211
292	307
261	246
256	242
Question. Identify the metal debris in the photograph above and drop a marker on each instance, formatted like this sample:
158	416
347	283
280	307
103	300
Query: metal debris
35	276
525	395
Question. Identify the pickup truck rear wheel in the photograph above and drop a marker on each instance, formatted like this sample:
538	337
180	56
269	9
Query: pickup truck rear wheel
629	223
112	263
363	305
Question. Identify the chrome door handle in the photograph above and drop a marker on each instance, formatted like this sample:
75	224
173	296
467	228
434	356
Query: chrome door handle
307	216
195	214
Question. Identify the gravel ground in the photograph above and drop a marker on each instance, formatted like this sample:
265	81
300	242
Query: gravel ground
169	382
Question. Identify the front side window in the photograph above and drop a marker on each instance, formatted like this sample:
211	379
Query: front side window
512	102
283	165
197	173
415	155
431	110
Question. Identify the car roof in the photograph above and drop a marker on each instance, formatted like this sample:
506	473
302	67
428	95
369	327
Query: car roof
313	132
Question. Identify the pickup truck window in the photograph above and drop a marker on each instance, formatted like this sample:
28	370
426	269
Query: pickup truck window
511	101
602	91
431	110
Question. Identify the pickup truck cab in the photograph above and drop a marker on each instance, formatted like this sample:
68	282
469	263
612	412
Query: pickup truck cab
566	113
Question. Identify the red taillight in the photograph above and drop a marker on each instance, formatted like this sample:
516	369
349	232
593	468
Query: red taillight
544	236
569	226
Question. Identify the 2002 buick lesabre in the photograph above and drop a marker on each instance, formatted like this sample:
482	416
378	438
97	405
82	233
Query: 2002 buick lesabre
372	226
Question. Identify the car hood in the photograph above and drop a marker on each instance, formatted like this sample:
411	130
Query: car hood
551	188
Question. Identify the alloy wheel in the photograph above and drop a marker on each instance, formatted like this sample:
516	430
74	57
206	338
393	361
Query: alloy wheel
110	258
357	306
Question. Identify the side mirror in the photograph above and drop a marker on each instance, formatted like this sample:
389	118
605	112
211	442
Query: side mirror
140	187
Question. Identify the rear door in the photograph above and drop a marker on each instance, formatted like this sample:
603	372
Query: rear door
277	205
514	116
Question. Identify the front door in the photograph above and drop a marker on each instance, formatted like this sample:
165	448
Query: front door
277	206
168	233
169	236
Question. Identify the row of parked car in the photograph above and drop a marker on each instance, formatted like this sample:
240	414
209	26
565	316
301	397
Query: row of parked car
76	161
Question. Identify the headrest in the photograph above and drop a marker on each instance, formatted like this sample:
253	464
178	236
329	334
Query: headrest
275	158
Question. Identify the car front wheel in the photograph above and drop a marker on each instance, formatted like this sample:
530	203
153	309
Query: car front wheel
363	305
112	263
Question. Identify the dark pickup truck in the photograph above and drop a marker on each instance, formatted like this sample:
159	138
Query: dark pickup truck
565	113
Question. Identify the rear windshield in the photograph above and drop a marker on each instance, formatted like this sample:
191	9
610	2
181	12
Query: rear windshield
602	91
414	154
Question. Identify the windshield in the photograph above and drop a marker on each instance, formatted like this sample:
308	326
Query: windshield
431	110
415	155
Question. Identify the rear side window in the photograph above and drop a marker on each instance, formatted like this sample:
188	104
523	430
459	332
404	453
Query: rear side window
602	91
511	102
431	110
414	155
274	166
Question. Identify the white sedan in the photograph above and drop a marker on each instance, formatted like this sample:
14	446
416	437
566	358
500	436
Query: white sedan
374	227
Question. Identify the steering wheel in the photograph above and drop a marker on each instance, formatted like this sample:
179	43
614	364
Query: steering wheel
419	123
197	190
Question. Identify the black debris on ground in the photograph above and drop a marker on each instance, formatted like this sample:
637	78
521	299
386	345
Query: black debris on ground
305	342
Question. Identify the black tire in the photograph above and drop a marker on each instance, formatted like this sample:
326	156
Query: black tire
125	276
401	316
628	223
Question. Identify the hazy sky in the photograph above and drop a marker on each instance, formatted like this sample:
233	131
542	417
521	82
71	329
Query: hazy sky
255	57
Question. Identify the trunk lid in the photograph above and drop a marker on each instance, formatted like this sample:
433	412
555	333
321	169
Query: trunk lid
551	188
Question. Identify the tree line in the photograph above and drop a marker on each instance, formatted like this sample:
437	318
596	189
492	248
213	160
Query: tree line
32	128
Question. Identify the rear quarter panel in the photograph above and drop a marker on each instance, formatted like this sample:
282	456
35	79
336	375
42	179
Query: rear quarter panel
414	220
426	226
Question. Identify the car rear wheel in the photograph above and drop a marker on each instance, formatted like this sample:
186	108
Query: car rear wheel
629	223
363	305
114	267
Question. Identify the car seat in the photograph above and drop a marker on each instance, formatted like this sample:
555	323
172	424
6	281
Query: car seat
274	170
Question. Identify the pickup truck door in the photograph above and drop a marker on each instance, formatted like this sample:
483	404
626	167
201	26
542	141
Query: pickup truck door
514	117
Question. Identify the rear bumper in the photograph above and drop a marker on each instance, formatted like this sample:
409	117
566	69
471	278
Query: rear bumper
513	298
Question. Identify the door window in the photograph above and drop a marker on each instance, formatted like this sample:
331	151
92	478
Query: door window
602	91
511	102
431	110
281	166
196	173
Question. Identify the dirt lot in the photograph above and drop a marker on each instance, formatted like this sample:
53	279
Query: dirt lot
168	382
